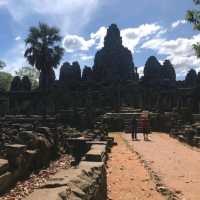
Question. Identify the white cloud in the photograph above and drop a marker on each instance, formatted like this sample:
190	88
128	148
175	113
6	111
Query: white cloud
3	2
179	51
73	43
161	32
140	71
64	13
18	38
178	23
86	57
14	58
99	36
133	36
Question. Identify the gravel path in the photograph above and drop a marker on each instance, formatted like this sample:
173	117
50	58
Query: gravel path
177	165
127	177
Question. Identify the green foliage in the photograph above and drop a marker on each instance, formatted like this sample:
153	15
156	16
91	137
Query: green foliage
31	73
197	49
196	2
5	81
2	64
43	50
193	16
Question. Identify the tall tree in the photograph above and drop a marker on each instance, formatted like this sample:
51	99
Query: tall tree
193	16
44	52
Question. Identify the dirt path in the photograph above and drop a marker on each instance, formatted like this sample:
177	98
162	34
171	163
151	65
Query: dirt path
176	164
127	177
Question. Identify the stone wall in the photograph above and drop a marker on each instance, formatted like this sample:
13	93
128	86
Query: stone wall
86	181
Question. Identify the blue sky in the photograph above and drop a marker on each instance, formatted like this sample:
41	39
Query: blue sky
148	27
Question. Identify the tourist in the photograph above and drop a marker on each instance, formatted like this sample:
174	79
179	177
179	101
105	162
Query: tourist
134	128
145	125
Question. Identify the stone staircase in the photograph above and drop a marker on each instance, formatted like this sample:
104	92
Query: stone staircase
120	121
87	180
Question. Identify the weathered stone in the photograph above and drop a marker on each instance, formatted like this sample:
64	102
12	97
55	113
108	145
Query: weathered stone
5	181
70	75
3	166
87	181
87	74
168	75
97	153
191	78
16	84
113	62
15	154
152	72
26	84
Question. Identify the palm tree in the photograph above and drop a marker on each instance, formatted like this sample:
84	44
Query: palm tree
44	52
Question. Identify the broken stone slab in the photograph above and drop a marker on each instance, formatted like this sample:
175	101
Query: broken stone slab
110	140
86	181
94	142
13	152
98	142
196	141
44	130
26	135
3	166
31	157
97	153
16	147
5	181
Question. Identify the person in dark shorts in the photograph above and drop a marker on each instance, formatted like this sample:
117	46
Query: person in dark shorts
134	128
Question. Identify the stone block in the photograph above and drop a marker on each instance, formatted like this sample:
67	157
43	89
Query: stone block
3	166
5	181
97	153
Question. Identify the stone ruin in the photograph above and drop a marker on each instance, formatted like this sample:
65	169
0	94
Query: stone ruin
35	125
28	144
113	62
110	83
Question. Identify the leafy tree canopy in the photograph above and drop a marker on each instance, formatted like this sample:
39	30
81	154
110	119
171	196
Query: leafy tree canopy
43	48
44	52
193	16
31	73
5	81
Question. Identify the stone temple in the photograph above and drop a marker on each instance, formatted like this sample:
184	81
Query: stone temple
56	141
113	62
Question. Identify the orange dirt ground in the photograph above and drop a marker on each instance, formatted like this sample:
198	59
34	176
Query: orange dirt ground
127	177
177	164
